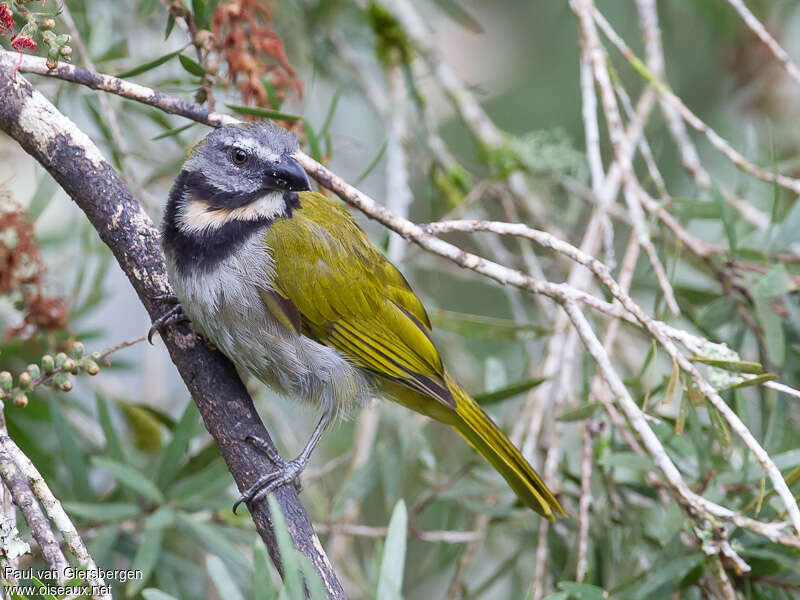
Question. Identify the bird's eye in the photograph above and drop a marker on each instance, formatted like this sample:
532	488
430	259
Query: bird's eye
239	156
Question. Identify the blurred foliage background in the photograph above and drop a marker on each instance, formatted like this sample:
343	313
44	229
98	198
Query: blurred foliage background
125	450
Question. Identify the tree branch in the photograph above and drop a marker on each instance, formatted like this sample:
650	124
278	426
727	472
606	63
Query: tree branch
227	409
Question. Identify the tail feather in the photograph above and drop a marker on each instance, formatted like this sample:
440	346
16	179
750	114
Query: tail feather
490	442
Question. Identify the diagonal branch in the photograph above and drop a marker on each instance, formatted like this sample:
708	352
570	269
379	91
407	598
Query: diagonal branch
227	409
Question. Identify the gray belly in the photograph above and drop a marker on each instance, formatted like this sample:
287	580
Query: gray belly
225	305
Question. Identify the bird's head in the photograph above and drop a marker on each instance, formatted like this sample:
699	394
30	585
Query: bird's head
237	173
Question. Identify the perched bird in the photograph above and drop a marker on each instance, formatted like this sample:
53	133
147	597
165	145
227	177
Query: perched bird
285	283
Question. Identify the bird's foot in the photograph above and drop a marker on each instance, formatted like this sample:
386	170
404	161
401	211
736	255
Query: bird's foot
171	317
288	472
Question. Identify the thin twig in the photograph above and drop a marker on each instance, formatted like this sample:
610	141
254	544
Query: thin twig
34	517
695	122
55	511
756	27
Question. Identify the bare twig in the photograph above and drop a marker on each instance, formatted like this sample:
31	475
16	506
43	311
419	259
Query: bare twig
34	517
756	27
695	122
55	511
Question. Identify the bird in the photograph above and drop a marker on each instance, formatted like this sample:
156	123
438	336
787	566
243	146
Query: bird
284	282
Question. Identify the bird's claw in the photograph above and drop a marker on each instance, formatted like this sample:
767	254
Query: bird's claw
172	316
288	472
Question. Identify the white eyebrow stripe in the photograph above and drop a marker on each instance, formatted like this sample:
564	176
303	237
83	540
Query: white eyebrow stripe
254	148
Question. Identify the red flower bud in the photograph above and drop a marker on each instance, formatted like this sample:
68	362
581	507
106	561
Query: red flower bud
23	42
6	18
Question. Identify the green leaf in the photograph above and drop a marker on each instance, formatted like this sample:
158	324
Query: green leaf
170	26
326	125
173	453
670	571
692	208
292	581
103	511
264	113
222	579
357	486
263	586
191	65
272	96
773	330
786	234
143	68
313	141
482	327
727	216
201	19
311	578
720	427
212	537
145	559
212	479
71	454
130	477
683	412
582	591
629	460
42	587
584	411
113	444
154	594
372	164
145	425
510	391
460	15
672	384
737	366
41	197
390	577
114	52
774	283
757	380
172	132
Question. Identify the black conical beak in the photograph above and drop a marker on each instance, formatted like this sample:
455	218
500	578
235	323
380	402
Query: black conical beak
287	176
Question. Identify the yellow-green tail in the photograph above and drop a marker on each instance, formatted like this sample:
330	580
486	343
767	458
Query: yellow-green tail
492	444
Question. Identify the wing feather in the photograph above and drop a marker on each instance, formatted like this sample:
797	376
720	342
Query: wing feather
349	297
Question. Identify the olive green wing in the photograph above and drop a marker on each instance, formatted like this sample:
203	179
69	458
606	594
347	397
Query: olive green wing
332	284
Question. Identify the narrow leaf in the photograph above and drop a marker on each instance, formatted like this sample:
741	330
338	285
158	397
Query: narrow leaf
174	451
154	594
737	366
584	411
292	580
130	477
222	579
172	132
71	454
757	380
191	65
482	327
145	559
102	511
313	141
263	586
264	113
510	391
390	577
143	68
